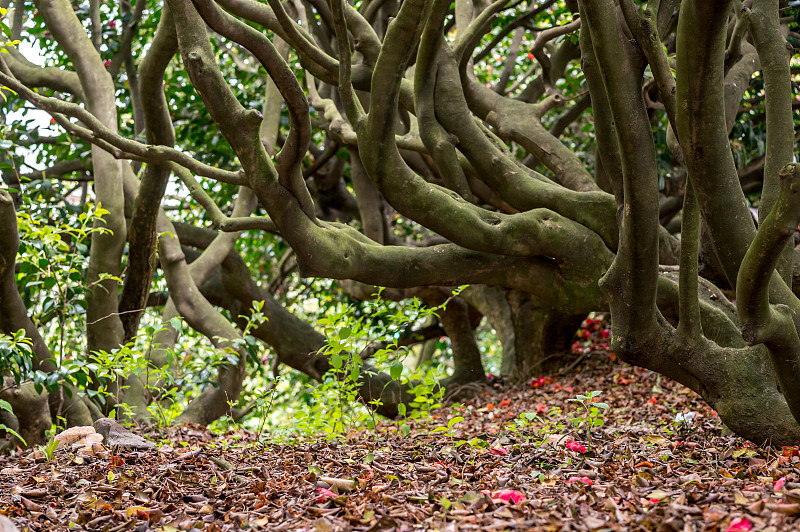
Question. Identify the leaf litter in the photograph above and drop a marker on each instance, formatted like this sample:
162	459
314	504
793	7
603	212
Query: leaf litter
517	461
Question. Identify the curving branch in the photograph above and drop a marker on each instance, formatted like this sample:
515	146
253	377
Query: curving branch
762	322
35	76
113	143
631	282
289	159
774	54
142	234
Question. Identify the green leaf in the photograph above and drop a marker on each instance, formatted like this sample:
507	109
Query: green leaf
453	421
13	433
5	405
396	370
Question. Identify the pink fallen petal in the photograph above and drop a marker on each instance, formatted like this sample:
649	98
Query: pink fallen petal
585	480
510	496
499	451
325	494
572	445
740	524
778	486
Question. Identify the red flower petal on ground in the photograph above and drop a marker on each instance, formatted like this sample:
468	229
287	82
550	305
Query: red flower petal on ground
605	333
572	445
499	451
585	480
505	402
325	494
740	524
531	56
778	486
510	496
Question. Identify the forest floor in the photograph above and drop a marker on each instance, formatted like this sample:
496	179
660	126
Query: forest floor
659	462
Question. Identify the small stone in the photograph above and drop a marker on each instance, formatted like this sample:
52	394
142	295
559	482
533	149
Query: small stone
115	435
73	435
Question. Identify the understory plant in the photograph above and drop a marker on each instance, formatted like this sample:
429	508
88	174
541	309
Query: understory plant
590	413
369	343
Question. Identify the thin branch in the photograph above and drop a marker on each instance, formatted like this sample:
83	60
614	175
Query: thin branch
119	146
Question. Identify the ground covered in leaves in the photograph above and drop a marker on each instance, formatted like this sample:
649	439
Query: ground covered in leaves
658	462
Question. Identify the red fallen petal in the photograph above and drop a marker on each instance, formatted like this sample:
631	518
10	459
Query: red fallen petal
540	408
740	524
575	446
324	494
511	496
499	451
653	400
778	486
569	389
531	56
585	480
505	402
605	333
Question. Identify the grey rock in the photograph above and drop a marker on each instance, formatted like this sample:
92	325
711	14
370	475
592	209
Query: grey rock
115	435
6	525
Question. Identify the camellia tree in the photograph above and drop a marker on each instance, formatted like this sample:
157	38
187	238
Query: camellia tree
544	153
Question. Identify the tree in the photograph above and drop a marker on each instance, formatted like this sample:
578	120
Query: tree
402	160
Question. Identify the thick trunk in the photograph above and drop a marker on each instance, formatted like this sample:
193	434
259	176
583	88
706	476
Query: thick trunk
542	336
